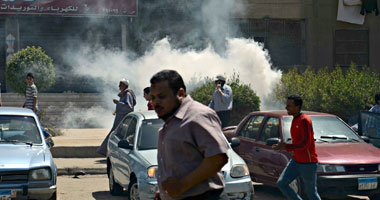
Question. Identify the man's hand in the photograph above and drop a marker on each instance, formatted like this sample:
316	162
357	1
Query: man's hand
173	186
218	86
157	196
115	101
279	146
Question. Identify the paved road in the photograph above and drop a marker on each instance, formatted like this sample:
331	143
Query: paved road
96	187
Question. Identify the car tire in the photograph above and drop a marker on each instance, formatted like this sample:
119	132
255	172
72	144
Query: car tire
374	197
133	190
54	197
115	188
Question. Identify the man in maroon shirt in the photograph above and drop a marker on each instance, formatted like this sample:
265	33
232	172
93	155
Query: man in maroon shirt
305	159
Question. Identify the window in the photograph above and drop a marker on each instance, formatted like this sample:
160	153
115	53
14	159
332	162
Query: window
351	45
123	128
285	39
270	130
131	131
251	127
148	136
19	129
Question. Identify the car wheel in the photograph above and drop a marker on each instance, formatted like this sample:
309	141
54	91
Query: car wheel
54	197
133	190
374	197
115	188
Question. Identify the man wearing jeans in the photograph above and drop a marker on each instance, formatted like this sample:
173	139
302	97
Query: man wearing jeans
305	160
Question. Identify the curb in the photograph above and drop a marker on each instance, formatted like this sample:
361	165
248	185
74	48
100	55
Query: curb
75	152
80	171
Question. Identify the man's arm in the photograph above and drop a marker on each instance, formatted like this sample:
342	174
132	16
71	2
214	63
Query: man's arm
34	103
208	168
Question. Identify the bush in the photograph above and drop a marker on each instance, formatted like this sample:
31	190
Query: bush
244	98
339	92
30	59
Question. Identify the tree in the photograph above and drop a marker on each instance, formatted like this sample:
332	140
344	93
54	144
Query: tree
34	60
245	99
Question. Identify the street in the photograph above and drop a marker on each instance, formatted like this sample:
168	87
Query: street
96	187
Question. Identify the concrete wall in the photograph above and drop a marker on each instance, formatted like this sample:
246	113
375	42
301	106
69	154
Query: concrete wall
321	23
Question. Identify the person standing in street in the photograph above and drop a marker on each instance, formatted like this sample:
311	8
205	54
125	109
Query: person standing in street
305	159
191	147
124	105
31	94
222	100
147	97
373	121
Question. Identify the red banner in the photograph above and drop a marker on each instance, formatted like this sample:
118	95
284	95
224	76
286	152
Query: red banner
70	7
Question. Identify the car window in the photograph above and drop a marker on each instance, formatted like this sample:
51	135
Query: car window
123	128
251	127
131	131
326	128
148	136
270	129
19	129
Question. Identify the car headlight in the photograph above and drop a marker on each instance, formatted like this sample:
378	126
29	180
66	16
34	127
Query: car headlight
238	171
152	172
40	174
330	168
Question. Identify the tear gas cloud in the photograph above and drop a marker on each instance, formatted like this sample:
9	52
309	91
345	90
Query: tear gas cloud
242	56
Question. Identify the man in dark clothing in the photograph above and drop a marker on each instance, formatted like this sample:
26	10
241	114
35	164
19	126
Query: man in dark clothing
305	159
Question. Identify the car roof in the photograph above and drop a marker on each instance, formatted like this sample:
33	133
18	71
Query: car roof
150	114
284	113
16	111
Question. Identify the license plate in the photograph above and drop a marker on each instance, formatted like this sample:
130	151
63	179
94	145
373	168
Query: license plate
367	183
5	194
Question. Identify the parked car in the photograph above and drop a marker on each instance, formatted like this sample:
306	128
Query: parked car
132	160
347	164
27	170
364	121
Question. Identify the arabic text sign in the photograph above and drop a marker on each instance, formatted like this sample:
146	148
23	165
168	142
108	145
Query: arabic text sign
69	7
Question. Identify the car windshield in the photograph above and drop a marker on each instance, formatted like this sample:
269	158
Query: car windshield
149	134
326	129
19	129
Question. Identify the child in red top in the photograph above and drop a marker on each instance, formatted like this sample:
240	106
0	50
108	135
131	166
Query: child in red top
305	160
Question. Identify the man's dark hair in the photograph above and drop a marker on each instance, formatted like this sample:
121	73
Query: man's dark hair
147	90
296	99
29	75
377	98
174	79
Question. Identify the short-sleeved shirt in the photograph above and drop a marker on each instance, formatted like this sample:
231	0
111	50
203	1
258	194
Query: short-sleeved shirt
31	92
190	135
373	121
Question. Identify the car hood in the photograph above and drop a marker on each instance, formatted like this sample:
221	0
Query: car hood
150	156
21	156
233	158
347	153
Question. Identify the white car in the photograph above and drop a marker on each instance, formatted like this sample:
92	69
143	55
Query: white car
132	160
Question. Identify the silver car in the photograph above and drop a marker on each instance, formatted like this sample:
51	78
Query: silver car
132	160
27	170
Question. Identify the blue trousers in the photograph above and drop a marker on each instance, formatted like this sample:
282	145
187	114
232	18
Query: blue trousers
307	173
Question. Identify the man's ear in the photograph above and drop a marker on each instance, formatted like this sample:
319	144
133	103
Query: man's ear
181	93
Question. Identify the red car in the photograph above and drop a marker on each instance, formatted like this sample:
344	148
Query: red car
347	164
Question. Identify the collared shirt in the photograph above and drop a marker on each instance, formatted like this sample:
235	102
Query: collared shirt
222	102
192	134
31	92
373	121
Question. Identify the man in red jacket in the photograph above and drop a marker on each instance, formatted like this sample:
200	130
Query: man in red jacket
305	159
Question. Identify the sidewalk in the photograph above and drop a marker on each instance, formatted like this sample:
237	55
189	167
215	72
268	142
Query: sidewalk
75	151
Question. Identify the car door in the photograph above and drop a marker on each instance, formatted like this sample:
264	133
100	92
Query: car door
115	151
248	135
270	162
126	155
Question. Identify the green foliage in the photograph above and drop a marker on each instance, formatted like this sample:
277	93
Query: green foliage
34	60
244	98
338	92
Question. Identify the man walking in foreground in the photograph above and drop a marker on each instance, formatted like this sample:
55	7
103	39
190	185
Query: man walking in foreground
305	160
191	147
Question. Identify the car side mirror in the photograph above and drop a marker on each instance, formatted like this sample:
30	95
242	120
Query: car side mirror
235	142
124	144
272	141
365	138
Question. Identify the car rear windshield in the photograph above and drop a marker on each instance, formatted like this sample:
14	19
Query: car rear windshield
149	134
326	129
21	129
